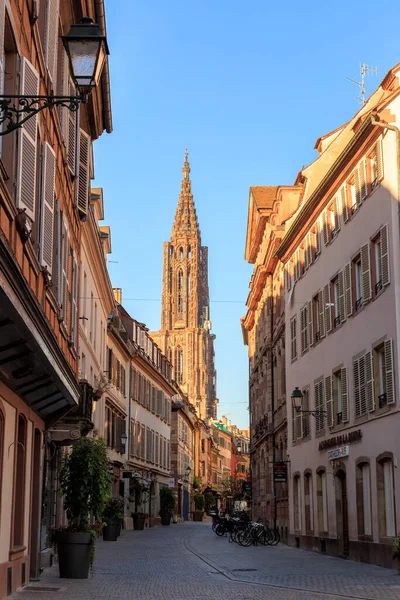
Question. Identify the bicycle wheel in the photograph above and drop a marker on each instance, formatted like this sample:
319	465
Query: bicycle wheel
244	538
220	530
276	538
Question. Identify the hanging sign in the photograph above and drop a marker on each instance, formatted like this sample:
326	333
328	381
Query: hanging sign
280	472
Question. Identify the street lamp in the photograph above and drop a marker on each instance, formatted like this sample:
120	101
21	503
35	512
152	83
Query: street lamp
124	437
239	446
297	402
86	48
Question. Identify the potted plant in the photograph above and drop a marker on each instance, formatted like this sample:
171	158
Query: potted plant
396	552
167	505
196	482
85	484
198	500
112	516
139	493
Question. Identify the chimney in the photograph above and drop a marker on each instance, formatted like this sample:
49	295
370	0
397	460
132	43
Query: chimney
118	295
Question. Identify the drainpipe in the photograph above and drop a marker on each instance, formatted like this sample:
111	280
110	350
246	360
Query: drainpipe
271	297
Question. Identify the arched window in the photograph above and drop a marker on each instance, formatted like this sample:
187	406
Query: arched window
181	253
386	515
180	280
170	279
297	502
188	282
189	254
180	306
309	501
322	501
171	251
179	365
363	493
19	501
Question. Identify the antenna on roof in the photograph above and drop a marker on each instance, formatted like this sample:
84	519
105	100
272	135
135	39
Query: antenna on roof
364	70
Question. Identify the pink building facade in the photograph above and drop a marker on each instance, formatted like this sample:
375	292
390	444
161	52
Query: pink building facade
342	317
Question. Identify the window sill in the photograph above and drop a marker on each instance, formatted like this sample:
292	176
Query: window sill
365	538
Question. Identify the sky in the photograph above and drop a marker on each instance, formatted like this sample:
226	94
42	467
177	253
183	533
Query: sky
247	87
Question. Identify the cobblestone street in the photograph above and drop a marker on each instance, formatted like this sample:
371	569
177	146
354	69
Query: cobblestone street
189	562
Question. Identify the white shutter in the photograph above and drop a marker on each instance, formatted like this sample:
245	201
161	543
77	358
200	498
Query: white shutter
306	255
345	208
321	315
363	179
325	228
366	273
57	274
83	183
336	209
348	292
345	397
65	272
369	376
27	151
293	336
342	310
319	405
74	301
379	160
357	397
388	345
72	134
329	400
310	324
385	268
317	238
51	38
309	249
328	308
363	385
357	186
304	329
47	207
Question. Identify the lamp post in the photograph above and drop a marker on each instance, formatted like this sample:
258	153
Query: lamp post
297	403
86	48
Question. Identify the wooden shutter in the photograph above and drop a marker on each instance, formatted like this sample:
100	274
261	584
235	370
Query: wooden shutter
388	346
319	405
325	228
362	169
293	338
345	208
357	185
83	182
309	249
357	395
288	272
379	160
328	308
304	327
57	272
74	301
348	292
321	314
385	267
317	238
310	324
345	397
47	207
73	134
51	38
369	382
363	386
336	208
65	272
342	310
329	400
306	256
366	273
27	151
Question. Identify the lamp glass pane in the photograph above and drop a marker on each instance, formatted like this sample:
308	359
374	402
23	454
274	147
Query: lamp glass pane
83	58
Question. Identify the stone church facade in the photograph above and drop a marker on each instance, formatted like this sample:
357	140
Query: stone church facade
185	336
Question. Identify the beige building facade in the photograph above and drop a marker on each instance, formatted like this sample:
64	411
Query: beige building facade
342	321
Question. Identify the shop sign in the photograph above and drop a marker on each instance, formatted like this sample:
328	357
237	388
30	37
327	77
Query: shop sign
338	453
171	482
340	440
280	472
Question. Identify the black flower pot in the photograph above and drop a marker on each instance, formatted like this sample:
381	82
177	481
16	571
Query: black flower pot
74	554
110	532
165	518
138	522
197	515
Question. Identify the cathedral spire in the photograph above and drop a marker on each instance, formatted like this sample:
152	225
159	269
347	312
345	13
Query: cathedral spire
185	221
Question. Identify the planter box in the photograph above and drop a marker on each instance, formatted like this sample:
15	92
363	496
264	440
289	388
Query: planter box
197	515
138	522
165	519
111	532
74	554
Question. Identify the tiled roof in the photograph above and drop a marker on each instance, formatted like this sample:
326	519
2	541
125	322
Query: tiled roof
264	195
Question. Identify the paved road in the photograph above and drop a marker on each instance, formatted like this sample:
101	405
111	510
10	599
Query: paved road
188	562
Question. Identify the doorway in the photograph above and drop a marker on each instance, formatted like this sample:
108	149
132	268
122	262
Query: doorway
342	516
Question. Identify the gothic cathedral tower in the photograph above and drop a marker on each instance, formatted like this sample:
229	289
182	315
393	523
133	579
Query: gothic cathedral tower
185	336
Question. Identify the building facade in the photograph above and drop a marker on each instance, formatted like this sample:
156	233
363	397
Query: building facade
263	330
185	336
43	171
183	423
340	252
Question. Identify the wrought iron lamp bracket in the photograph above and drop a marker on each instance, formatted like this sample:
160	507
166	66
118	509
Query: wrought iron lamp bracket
16	110
315	413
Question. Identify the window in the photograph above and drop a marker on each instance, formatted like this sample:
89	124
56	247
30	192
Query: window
383	373
319	405
339	397
297	502
317	239
83	366
363	489
114	427
293	334
375	164
322	502
179	365
20	478
188	282
358	283
319	316
189	252
91	316
352	187
333	216
378	265
305	415
335	295
364	397
304	328
309	502
181	254
95	326
386	516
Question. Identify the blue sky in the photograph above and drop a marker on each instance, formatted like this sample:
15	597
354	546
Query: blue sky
248	87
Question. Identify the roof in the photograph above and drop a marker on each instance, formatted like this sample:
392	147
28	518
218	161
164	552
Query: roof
222	428
264	195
